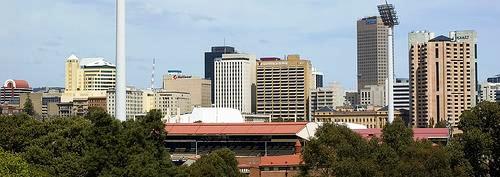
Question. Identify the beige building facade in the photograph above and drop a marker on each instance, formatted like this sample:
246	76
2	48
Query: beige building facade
442	76
172	103
197	87
87	77
369	118
284	87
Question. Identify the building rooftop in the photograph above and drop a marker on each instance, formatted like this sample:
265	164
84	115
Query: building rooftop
16	84
93	62
281	128
282	160
440	38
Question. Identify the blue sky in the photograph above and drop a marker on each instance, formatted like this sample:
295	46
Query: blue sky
37	36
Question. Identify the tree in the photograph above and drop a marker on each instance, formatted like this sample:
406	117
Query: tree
441	124
14	166
481	138
219	163
397	136
337	151
95	145
28	106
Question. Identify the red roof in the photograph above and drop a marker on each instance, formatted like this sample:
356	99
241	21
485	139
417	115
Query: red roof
275	128
279	128
282	160
16	84
418	133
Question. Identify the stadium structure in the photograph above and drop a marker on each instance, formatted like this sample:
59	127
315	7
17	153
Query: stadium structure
262	149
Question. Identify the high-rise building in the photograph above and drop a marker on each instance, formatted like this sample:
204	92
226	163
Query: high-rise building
402	94
442	76
210	57
134	102
198	88
331	96
372	52
317	78
495	79
41	101
352	98
373	95
172	103
489	92
284	87
11	90
235	82
88	77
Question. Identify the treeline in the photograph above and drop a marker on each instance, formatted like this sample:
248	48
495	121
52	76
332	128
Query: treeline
338	151
97	145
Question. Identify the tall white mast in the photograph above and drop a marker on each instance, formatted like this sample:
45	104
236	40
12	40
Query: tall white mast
390	19
120	88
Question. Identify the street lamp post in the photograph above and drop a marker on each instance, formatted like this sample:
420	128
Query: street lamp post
390	19
286	169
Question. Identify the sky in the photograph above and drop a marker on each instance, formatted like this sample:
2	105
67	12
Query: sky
37	36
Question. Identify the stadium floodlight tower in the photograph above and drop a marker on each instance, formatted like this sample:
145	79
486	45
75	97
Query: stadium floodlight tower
390	19
120	85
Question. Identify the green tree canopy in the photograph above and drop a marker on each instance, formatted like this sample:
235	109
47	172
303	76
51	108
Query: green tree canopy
340	152
219	163
94	145
28	106
481	138
14	166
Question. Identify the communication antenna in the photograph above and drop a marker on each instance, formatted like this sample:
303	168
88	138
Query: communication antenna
153	76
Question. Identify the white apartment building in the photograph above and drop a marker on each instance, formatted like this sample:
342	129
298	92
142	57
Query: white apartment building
402	94
331	96
134	102
234	78
489	92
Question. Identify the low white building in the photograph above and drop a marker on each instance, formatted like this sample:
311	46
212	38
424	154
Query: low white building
208	115
134	102
489	92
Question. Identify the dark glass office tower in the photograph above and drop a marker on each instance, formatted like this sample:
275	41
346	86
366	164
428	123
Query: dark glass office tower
319	80
495	79
216	52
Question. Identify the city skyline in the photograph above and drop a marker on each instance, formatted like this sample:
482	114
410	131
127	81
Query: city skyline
178	34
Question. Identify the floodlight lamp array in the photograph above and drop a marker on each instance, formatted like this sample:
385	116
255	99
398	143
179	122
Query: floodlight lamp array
388	15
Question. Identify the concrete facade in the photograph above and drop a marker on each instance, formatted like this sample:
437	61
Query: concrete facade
372	52
489	92
284	87
442	76
234	82
198	88
134	98
87	77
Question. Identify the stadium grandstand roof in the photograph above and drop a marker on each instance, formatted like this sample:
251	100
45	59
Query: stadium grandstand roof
304	130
